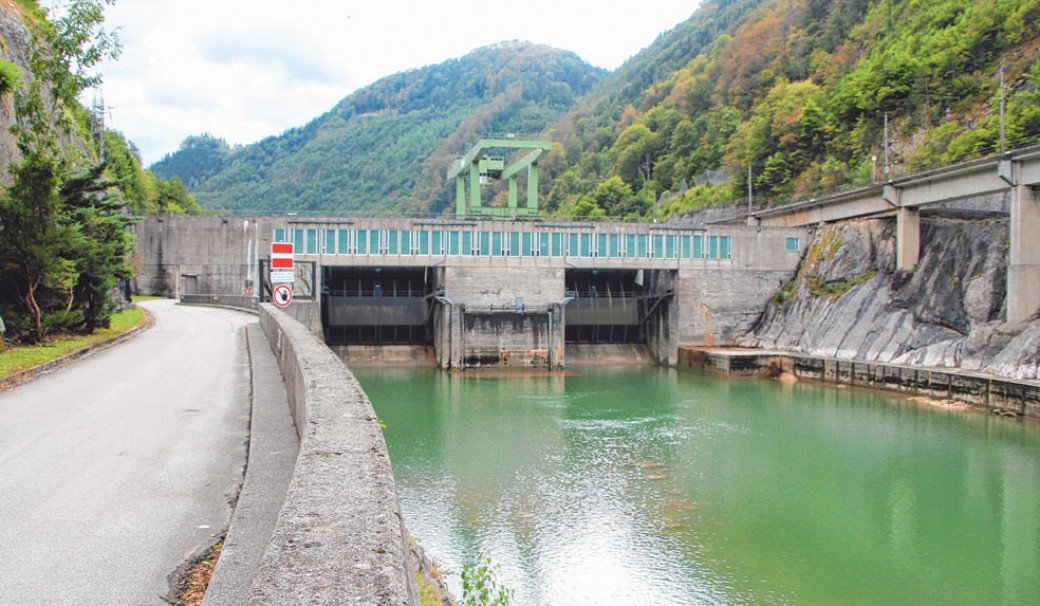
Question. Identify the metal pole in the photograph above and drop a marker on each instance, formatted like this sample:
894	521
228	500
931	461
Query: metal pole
888	169
750	190
1003	145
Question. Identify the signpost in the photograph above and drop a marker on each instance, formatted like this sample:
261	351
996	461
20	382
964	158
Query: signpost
282	265
282	295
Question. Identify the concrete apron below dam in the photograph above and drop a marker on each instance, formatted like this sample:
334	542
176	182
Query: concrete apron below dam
981	391
425	356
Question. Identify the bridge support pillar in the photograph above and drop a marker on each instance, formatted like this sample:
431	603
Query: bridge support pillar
1023	286
908	238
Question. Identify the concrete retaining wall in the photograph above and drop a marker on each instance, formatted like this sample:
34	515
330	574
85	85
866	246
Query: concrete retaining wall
340	538
986	392
244	302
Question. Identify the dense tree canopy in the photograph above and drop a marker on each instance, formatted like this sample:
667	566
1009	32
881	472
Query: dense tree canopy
799	92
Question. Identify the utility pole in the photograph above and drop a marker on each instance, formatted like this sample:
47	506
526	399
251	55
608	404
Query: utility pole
1003	134
99	110
750	190
888	168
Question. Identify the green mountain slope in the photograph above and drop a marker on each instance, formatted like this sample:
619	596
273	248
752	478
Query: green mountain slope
799	91
388	146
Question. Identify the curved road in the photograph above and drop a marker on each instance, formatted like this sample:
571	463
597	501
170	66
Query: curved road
117	469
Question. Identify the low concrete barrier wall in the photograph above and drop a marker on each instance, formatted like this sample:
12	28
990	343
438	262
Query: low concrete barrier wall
340	538
1003	396
246	302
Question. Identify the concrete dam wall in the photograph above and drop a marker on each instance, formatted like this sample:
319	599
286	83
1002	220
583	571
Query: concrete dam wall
485	293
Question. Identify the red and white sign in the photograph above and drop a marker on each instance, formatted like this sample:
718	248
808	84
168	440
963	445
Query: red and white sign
282	295
282	256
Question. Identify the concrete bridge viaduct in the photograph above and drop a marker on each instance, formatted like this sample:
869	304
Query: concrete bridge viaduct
1006	185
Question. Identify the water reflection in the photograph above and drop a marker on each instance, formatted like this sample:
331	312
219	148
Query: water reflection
651	486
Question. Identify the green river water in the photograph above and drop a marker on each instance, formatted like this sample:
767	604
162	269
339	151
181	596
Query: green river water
652	486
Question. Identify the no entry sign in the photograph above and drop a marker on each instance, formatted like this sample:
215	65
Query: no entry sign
281	255
282	262
282	295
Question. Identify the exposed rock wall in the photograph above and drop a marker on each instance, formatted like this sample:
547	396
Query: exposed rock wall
848	301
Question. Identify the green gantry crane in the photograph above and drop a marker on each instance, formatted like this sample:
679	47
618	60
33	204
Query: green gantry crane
478	167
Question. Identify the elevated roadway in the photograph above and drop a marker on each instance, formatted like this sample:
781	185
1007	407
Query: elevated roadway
1014	175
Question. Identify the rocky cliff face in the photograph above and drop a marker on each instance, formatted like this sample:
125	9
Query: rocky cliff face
14	41
847	300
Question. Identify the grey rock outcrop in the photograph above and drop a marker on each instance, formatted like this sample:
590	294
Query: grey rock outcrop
848	301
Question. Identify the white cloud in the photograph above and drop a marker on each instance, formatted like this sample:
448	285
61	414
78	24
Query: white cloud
246	70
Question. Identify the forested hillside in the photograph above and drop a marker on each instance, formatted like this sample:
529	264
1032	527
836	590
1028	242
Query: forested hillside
388	146
796	92
799	91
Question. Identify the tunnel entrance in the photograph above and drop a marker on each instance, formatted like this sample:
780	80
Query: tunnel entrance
611	306
377	306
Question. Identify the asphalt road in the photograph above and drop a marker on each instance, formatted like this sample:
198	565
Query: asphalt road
117	469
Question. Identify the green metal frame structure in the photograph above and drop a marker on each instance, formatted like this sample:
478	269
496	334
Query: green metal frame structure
478	167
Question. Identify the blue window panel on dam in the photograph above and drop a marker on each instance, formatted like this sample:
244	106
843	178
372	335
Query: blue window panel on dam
312	242
641	246
725	247
467	243
424	243
601	245
279	235
342	242
527	244
658	246
557	244
393	242
572	245
514	244
630	245
454	243
329	242
614	248
686	247
297	239
374	247
586	245
406	243
496	245
437	243
361	239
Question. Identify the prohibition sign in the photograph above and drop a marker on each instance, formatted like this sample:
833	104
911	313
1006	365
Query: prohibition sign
282	295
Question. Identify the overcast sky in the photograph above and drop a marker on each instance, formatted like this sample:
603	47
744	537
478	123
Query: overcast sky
243	70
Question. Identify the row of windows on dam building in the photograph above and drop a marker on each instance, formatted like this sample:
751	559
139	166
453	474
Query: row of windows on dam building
470	243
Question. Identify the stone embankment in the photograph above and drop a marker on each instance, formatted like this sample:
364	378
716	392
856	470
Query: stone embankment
848	302
339	538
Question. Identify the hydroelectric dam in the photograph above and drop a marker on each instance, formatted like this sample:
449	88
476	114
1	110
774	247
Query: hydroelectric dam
484	293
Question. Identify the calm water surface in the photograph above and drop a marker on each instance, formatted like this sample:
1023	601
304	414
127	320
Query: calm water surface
651	486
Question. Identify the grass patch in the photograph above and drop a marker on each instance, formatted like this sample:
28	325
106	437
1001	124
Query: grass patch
784	294
17	359
837	289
